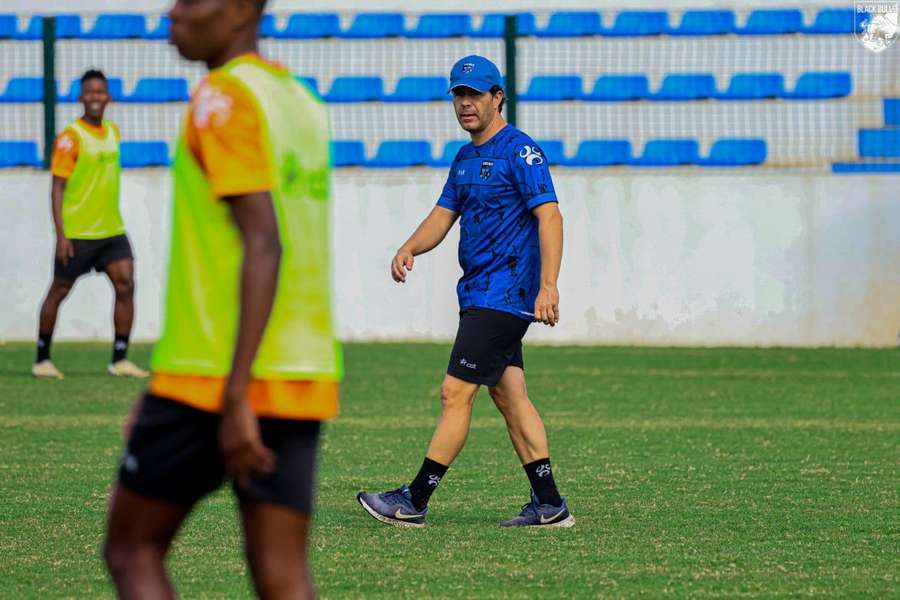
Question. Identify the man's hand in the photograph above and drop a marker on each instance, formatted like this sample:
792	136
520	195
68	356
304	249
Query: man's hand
64	250
546	305
403	262
240	442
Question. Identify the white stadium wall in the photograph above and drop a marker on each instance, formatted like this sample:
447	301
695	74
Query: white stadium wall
687	259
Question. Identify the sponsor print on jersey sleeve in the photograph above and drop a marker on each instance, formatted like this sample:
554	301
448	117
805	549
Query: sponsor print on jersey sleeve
65	154
531	174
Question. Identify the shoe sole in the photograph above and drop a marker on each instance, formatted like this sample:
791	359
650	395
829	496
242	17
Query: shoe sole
111	371
564	524
384	519
42	376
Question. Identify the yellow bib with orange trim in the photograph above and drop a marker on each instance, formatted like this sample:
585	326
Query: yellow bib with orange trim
90	207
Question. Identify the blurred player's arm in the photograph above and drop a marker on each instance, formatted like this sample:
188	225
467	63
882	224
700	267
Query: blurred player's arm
550	232
239	436
429	234
62	165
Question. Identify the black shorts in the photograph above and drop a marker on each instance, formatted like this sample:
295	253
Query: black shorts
487	342
173	455
93	254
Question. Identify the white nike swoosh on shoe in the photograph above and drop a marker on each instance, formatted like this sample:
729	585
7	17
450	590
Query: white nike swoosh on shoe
400	515
553	518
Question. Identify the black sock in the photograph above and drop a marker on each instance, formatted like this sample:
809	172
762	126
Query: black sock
120	348
541	477
43	346
426	482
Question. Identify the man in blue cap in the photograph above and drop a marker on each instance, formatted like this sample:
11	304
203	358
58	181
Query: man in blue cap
510	251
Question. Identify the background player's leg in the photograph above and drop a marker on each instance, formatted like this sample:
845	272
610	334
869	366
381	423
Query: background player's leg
59	289
276	548
457	397
138	535
121	275
527	433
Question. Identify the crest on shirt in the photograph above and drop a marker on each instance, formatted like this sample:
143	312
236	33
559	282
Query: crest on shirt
211	105
486	169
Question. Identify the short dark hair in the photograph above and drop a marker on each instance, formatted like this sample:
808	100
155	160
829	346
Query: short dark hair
494	91
93	74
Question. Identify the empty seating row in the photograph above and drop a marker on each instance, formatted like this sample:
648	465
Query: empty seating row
879	149
380	25
132	154
590	153
152	89
689	86
542	88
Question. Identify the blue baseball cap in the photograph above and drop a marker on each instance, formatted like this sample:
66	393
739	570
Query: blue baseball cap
475	72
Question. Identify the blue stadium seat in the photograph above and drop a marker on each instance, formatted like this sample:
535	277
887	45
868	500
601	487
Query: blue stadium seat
159	89
451	149
311	25
818	85
735	153
772	22
638	23
879	143
554	150
347	153
419	89
401	153
493	25
686	86
833	21
310	82
892	111
67	27
572	24
161	31
754	86
617	88
23	89
9	26
668	153
375	25
865	167
441	26
355	89
704	22
116	90
553	88
601	153
136	155
268	26
117	27
19	154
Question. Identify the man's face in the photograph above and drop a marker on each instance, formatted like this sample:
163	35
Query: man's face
202	29
95	97
475	110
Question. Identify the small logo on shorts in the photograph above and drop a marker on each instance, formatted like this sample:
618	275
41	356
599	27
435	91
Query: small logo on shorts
467	364
130	463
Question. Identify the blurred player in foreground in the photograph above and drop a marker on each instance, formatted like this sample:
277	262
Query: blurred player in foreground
510	251
90	234
248	364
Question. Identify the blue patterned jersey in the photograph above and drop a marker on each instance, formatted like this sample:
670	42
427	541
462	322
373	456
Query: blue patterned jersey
494	187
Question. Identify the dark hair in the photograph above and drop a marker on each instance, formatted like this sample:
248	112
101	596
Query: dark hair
93	74
494	91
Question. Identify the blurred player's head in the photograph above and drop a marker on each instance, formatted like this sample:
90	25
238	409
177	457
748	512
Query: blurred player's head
478	95
214	31
94	94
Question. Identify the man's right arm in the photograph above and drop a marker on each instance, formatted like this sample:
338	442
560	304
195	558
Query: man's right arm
429	234
64	249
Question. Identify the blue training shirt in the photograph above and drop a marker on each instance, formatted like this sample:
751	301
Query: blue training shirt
494	187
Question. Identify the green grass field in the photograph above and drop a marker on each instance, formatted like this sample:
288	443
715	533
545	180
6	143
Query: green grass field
691	472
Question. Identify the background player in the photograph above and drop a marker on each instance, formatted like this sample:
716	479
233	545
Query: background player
247	365
90	233
510	251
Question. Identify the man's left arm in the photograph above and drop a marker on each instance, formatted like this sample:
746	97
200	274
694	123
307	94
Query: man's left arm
550	232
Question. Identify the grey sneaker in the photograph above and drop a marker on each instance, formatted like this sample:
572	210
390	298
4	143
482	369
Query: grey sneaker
542	515
394	507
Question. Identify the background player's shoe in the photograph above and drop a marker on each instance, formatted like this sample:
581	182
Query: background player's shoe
394	507
542	515
46	369
126	368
